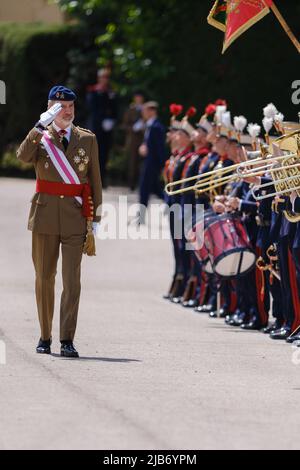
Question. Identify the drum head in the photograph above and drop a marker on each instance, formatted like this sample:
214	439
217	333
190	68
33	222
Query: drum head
208	267
234	263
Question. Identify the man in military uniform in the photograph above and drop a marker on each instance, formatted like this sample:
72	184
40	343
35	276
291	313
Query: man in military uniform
68	194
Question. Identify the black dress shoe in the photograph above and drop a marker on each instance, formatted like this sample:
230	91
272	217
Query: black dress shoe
213	314
292	339
282	333
176	300
43	346
228	318
206	308
67	349
198	309
275	326
192	303
166	296
222	313
238	319
253	324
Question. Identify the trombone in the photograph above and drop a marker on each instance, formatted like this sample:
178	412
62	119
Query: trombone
204	181
203	177
263	162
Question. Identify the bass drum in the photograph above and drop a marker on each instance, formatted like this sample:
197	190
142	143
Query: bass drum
228	245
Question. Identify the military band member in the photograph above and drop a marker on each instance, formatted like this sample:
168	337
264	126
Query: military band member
183	141
172	142
68	194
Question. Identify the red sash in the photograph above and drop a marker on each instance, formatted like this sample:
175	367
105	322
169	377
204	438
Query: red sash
69	190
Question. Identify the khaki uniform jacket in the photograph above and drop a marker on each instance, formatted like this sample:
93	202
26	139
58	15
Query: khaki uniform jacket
59	215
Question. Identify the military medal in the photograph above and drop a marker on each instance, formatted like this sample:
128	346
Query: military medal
46	165
81	167
81	152
77	159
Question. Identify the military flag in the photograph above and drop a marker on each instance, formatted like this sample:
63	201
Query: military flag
234	17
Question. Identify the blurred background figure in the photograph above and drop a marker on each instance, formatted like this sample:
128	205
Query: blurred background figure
102	104
134	126
153	152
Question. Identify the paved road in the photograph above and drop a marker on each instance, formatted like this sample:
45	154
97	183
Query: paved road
151	375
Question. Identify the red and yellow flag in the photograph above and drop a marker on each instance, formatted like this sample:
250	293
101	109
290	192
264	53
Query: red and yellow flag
241	15
234	17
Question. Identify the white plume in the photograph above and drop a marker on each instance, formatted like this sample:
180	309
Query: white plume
240	122
267	123
226	119
279	117
270	111
220	110
253	130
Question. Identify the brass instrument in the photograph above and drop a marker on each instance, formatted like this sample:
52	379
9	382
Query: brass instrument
205	178
286	175
284	170
210	180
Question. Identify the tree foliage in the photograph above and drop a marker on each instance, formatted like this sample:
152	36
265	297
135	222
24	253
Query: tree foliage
167	47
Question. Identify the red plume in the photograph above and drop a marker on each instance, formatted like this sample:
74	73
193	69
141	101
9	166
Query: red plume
221	102
191	112
210	109
175	109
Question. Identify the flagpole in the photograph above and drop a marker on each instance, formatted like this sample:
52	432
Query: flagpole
285	26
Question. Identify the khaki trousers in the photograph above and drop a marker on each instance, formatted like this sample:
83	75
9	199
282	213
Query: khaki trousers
45	253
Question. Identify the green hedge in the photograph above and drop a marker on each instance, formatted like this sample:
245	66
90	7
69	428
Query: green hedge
32	59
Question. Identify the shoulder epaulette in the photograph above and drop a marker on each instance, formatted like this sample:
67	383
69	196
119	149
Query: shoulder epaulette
85	130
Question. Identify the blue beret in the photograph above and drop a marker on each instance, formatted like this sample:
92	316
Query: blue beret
61	93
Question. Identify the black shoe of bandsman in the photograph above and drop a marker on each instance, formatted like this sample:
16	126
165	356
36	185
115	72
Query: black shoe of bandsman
176	300
281	334
253	324
274	326
67	349
192	303
222	313
293	338
207	308
44	346
238	318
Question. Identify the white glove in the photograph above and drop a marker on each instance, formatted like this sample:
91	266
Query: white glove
138	126
48	116
108	124
293	197
95	228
